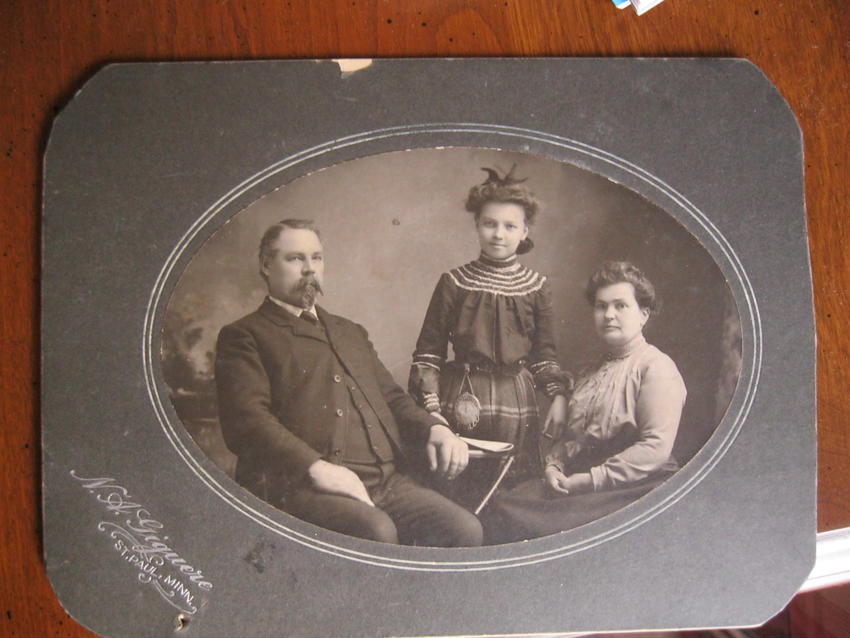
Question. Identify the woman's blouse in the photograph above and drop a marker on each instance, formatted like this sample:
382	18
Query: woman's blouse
629	408
496	315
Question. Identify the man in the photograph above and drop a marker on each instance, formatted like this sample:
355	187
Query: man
314	416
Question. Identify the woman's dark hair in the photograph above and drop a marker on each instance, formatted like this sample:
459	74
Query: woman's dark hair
617	272
505	189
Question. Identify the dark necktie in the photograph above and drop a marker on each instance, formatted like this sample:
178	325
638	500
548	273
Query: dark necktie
309	318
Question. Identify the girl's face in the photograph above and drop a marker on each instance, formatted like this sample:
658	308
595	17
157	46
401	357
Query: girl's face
501	226
617	315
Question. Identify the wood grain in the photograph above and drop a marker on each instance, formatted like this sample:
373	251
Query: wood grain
49	47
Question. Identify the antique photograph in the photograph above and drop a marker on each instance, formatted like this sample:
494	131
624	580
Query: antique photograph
313	347
451	347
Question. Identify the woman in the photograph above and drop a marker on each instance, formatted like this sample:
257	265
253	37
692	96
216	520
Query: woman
623	419
497	314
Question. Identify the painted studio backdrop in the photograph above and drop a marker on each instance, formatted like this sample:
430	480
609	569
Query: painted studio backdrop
392	223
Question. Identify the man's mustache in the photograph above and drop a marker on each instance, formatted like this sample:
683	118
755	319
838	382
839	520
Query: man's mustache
309	282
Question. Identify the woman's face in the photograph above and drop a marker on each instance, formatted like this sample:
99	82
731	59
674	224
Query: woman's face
501	226
617	315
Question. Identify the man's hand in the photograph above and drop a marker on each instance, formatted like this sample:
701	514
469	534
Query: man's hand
336	479
447	454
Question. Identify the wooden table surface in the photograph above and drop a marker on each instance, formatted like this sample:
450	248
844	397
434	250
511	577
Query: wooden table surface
49	48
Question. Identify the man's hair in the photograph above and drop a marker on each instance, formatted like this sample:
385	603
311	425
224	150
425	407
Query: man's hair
273	232
615	272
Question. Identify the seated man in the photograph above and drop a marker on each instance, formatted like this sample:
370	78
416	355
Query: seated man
313	416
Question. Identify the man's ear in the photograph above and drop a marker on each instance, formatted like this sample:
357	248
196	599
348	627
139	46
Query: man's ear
264	270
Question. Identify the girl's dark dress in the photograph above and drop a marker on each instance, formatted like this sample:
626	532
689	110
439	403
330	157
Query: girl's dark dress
497	315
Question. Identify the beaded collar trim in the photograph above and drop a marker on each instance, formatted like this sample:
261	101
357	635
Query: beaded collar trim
508	277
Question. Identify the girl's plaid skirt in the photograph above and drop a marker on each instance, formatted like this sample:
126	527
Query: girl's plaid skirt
509	410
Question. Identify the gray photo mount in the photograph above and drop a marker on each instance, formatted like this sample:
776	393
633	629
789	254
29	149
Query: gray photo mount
146	535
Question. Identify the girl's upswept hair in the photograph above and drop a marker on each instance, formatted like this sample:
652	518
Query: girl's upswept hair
504	189
617	272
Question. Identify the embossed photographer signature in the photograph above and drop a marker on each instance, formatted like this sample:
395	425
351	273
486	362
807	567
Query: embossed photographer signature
140	541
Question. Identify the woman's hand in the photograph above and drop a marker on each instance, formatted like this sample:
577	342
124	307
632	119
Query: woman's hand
556	418
556	479
572	484
579	483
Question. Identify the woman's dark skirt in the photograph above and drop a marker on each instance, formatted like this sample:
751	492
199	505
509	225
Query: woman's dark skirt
532	509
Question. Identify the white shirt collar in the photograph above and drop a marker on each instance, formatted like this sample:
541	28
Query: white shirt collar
294	310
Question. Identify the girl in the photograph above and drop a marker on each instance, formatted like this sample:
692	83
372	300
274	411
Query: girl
497	314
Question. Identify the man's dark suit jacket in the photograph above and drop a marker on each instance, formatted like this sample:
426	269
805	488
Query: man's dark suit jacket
283	400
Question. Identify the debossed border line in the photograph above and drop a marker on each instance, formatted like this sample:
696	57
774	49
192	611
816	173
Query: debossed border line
451	565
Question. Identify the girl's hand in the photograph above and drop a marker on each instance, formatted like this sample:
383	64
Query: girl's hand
556	418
